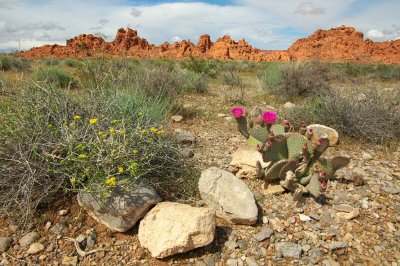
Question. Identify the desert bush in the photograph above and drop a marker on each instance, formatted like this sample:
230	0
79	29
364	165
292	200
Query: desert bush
201	66
372	71
366	114
51	61
233	87
293	80
71	62
195	82
54	75
271	78
53	140
8	63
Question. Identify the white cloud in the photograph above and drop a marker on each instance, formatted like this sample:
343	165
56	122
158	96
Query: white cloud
308	8
267	24
375	34
176	39
135	12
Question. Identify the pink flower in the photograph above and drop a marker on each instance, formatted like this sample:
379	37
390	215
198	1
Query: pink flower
270	117
238	112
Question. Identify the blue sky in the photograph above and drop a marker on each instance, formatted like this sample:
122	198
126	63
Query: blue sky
265	24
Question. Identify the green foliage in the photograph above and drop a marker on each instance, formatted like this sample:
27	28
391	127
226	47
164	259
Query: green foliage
195	82
272	77
201	66
50	61
54	75
9	63
71	62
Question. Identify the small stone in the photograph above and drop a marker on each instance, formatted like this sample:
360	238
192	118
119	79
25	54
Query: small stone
91	240
251	261
343	208
230	244
177	118
330	262
265	233
265	219
5	243
289	250
242	244
315	252
70	261
47	226
390	190
80	238
306	247
304	218
119	242
35	248
274	189
186	152
337	245
42	257
63	212
348	216
366	156
49	248
29	239
232	262
377	249
184	137
277	225
289	106
322	130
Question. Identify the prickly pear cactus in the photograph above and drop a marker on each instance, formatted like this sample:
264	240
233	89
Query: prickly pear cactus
296	160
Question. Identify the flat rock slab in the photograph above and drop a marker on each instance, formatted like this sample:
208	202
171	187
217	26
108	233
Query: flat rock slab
29	239
244	160
228	195
5	243
321	130
171	228
289	250
123	208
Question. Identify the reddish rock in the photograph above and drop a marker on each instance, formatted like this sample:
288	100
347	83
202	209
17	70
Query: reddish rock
343	44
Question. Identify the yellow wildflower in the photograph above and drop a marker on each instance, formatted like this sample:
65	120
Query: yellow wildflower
135	151
77	117
120	169
72	181
112	131
93	121
143	131
160	132
101	133
153	130
133	167
72	124
82	156
115	121
112	181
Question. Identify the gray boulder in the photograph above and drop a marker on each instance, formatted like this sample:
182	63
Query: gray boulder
228	195
123	208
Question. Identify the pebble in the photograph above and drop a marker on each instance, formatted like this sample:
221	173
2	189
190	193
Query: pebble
251	261
230	244
337	245
277	225
29	239
304	218
80	238
343	208
70	261
232	262
242	244
273	189
390	190
330	262
265	233
177	118
63	212
35	248
289	250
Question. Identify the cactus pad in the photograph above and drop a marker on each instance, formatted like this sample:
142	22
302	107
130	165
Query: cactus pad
314	187
277	151
273	172
325	165
278	129
339	162
259	133
295	143
290	166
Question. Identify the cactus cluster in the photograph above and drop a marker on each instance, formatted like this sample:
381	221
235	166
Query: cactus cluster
295	160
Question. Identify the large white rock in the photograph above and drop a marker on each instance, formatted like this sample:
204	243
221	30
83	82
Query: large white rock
171	228
228	195
244	160
321	130
123	208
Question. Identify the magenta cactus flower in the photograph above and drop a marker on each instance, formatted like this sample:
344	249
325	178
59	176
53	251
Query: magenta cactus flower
238	112
270	118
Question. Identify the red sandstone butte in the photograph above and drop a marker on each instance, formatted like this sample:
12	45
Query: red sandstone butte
342	44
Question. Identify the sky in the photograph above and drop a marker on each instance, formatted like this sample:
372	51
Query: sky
265	24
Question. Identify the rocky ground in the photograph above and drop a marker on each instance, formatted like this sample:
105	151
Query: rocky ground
359	224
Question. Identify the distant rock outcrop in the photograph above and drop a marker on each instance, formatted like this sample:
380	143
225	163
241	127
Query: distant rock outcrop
342	44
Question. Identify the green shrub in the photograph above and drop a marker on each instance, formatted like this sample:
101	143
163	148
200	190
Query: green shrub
272	77
8	63
366	114
195	82
54	75
71	62
51	61
233	87
201	66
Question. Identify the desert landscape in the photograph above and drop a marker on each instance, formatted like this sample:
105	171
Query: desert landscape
123	152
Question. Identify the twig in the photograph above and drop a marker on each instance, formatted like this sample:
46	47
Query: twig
14	258
80	252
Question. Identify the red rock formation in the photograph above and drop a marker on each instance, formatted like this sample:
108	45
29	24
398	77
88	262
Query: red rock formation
338	44
344	44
